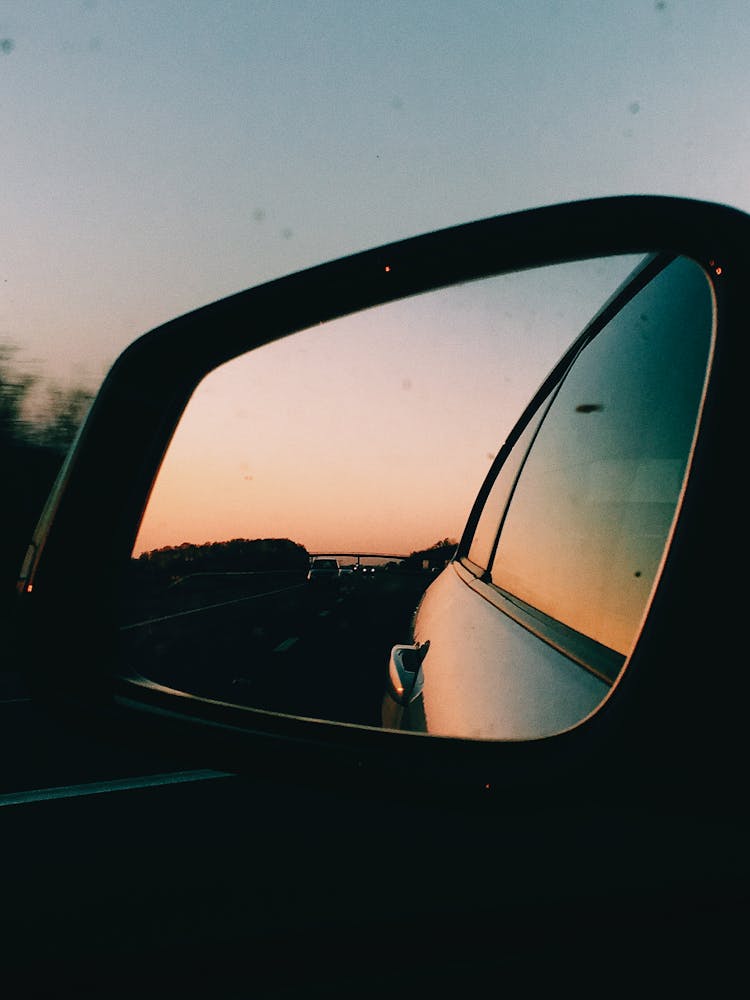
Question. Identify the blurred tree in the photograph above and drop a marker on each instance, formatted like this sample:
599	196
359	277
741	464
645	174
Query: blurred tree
62	416
14	388
32	449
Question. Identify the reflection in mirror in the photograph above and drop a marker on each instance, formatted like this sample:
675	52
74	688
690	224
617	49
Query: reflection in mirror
317	486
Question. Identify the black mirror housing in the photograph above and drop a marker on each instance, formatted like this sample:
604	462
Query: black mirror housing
665	717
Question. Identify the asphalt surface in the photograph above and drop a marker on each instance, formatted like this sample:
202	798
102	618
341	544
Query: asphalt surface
42	756
274	643
282	644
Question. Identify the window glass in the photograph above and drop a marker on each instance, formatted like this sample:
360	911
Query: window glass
483	542
588	523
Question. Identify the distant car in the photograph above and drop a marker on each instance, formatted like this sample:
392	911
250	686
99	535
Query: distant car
323	571
527	630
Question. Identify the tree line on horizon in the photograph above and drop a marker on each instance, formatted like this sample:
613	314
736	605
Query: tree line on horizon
243	555
238	555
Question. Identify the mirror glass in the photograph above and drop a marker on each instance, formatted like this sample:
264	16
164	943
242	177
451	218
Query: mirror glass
316	487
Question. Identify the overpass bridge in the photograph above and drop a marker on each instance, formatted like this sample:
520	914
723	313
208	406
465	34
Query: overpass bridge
358	556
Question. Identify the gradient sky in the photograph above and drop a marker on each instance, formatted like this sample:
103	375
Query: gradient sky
372	433
158	155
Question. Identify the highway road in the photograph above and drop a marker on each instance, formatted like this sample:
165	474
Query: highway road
42	758
115	857
126	875
278	642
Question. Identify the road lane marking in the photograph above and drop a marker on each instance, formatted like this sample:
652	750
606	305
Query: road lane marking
116	785
286	644
208	607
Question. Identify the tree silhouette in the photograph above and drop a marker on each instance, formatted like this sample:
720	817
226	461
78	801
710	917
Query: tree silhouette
239	555
434	557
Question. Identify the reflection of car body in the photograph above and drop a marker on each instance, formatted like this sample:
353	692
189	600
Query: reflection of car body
529	626
323	571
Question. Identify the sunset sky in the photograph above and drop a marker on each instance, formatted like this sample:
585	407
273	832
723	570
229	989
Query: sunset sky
374	432
157	155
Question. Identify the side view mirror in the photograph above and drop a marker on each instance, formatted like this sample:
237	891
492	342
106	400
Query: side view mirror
325	512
